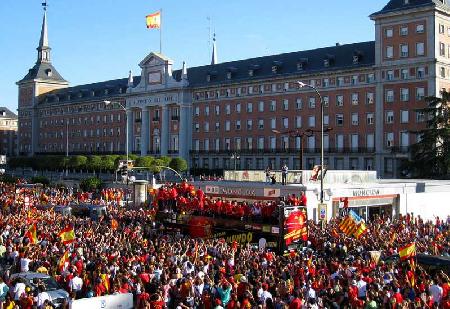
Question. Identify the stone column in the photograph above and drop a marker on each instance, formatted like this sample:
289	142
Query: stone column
183	135
164	130
145	129
129	131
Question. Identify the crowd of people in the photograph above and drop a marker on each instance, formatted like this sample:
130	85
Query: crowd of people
124	253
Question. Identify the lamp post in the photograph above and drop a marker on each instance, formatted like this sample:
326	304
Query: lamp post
126	138
235	156
303	85
297	133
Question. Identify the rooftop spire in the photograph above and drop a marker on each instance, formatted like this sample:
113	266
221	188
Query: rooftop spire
130	79
184	71
214	51
43	48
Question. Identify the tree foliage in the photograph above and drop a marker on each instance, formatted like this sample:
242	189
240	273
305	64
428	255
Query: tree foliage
90	184
430	157
178	164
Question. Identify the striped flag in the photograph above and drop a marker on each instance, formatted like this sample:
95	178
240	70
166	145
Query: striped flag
67	235
407	251
63	260
153	21
31	234
353	225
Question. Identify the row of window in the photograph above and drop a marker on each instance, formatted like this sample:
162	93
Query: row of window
86	120
283	142
99	147
339	121
404	94
339	163
261	106
287	86
404	50
404	73
403	30
82	133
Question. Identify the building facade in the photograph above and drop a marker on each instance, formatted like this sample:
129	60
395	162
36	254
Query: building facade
8	132
251	113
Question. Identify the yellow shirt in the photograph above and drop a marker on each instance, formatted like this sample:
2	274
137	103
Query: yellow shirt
10	306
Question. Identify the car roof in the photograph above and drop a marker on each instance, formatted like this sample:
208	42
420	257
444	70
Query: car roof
30	275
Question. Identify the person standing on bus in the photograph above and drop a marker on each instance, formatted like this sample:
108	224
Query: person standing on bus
284	173
268	180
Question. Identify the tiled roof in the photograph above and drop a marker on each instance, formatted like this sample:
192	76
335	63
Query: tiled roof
6	113
84	92
41	71
398	5
312	61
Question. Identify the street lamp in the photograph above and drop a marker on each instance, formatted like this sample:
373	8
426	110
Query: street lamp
297	133
303	85
235	156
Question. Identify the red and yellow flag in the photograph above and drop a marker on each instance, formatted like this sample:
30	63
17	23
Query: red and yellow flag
63	260
32	234
67	235
153	21
407	251
114	224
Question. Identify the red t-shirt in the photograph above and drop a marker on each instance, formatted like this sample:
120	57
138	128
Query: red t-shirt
296	303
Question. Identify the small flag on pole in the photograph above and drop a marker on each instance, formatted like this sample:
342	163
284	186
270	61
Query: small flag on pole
31	234
153	21
407	251
67	235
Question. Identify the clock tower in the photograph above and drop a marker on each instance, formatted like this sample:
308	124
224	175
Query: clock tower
40	79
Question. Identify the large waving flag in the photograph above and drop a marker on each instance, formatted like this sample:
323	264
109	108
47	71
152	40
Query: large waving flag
407	251
67	235
353	225
63	260
153	21
31	234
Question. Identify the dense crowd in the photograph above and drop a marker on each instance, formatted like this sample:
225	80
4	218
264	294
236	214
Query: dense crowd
123	253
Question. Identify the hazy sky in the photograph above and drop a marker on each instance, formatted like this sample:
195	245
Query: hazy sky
97	40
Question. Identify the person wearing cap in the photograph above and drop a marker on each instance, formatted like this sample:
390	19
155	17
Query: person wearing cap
241	288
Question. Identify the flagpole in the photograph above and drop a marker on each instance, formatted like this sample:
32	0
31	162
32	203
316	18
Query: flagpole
160	31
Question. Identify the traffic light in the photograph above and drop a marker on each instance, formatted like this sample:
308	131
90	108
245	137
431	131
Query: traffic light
124	170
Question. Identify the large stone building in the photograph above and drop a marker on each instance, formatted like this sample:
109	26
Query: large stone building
8	132
370	92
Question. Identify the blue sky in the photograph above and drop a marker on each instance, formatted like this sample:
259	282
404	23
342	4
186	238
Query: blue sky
97	40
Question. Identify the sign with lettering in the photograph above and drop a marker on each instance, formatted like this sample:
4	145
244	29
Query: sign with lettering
271	192
366	192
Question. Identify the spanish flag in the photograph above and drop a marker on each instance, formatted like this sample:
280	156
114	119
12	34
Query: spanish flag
63	260
407	251
67	235
31	234
114	224
153	21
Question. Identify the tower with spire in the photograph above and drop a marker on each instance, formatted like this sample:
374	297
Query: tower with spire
40	79
214	51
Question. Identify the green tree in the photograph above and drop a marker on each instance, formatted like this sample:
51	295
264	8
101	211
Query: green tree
145	161
178	164
157	165
90	184
94	163
78	162
430	157
107	162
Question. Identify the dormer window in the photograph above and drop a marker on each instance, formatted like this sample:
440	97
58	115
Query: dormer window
301	64
328	61
49	72
80	94
228	75
92	93
405	2
106	91
355	59
208	77
276	66
250	72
